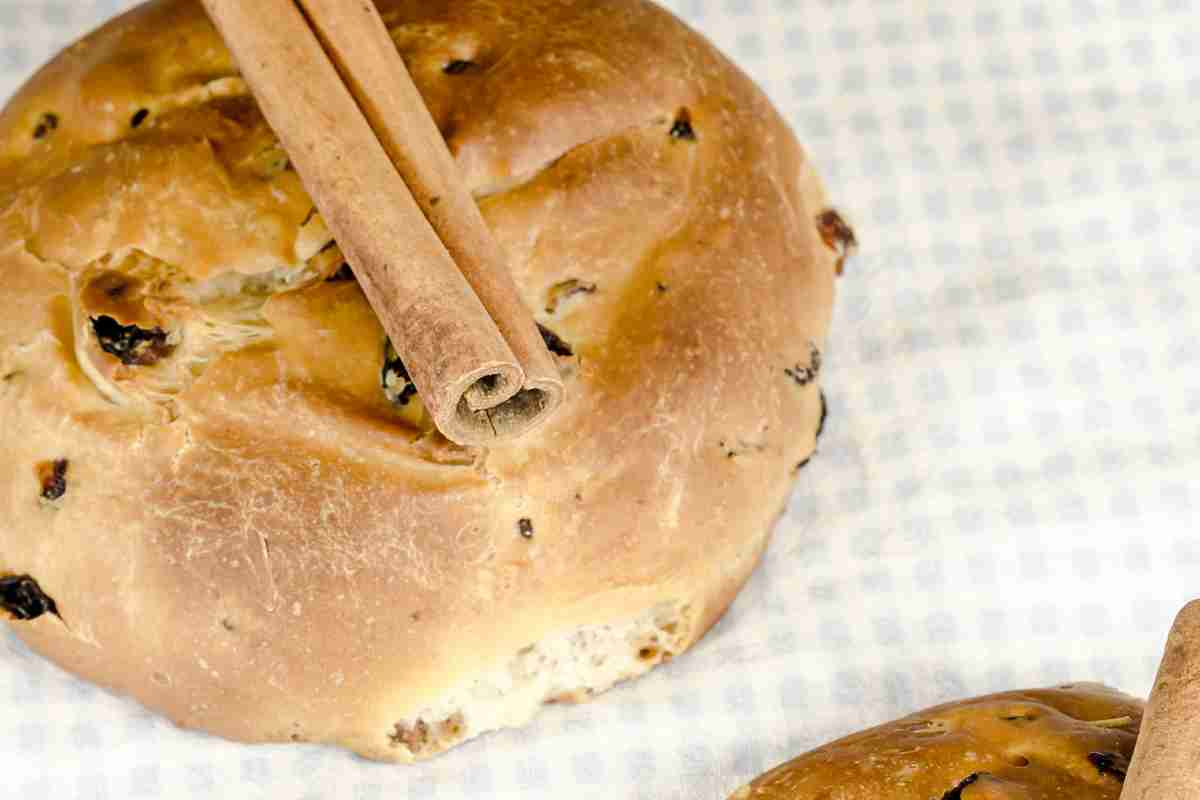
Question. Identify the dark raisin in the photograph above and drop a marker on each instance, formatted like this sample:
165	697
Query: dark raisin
837	236
660	287
554	343
956	792
682	129
525	527
433	201
1113	764
139	117
801	375
398	386
53	476
458	67
804	375
344	273
23	599
48	123
134	346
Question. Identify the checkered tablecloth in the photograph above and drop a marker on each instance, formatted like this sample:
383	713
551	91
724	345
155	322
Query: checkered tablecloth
1009	487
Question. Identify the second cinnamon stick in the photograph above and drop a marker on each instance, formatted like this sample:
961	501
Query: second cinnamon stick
1166	761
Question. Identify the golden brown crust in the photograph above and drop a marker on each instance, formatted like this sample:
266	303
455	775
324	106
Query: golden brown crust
1066	743
252	538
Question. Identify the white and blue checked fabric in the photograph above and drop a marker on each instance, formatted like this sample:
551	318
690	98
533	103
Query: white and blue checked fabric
1009	486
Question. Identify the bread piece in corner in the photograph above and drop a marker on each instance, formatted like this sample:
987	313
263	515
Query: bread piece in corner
1071	742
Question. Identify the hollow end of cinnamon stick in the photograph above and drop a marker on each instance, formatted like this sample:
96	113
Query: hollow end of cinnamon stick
1166	760
500	414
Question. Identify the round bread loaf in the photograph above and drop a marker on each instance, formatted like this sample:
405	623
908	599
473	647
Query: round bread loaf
1068	743
220	492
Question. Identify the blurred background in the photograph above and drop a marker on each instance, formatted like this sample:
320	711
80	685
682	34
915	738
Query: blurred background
1007	491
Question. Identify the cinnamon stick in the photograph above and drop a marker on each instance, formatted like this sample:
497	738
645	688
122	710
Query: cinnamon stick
467	371
1166	760
357	40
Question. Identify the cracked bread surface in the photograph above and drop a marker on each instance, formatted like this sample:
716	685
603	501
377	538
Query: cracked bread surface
256	537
